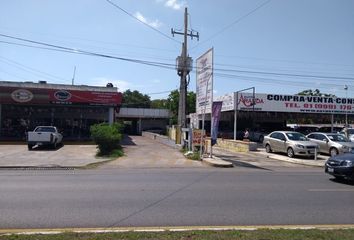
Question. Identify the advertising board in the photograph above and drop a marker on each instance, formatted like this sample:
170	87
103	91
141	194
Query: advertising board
204	92
288	103
12	95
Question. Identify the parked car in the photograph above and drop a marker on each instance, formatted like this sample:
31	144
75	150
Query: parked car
257	135
341	166
306	129
291	143
44	135
330	129
331	143
349	133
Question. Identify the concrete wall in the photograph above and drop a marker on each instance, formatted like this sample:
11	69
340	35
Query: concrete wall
234	146
161	139
143	113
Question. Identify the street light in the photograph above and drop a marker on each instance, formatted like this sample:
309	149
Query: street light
236	106
346	107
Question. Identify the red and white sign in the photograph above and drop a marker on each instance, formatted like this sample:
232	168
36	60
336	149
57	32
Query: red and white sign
13	95
288	103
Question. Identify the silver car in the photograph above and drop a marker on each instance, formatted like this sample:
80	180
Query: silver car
291	143
331	143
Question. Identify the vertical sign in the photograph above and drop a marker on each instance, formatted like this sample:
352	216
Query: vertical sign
204	98
204	82
215	115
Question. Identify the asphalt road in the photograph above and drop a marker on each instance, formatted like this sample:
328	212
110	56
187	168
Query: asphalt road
243	195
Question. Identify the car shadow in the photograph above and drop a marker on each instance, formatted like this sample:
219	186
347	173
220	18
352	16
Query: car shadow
299	157
237	163
46	148
342	181
127	141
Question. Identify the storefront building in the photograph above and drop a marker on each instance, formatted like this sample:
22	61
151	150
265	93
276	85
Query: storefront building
271	112
71	108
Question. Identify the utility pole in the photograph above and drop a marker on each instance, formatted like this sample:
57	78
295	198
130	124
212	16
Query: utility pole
184	66
73	79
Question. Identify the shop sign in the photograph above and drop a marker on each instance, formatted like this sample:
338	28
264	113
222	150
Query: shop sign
197	137
22	95
85	97
296	104
62	95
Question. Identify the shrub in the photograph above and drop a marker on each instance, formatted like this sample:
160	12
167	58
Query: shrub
107	137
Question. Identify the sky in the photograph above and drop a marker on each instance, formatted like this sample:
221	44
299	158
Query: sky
276	46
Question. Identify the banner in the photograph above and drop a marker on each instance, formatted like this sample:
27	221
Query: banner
216	113
17	95
204	82
288	103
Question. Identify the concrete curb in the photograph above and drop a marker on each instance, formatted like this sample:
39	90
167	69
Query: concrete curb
309	162
7	232
217	162
318	163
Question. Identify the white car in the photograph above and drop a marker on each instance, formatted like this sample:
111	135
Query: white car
44	135
291	143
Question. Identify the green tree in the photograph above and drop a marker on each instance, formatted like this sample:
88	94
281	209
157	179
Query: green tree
315	92
160	103
135	99
173	100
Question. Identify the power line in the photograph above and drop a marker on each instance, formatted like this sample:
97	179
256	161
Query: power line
284	74
83	52
275	81
160	64
233	23
31	70
131	15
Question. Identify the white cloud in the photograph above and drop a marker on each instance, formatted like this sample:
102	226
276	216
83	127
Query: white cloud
155	24
175	4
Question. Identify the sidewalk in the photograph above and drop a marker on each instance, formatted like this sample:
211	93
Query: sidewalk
320	162
261	155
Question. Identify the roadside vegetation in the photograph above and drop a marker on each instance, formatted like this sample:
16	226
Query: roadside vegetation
107	137
280	234
192	155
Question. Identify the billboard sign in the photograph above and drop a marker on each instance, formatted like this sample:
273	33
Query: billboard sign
204	81
13	95
289	103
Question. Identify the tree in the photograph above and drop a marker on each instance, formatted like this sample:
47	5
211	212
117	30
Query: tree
316	92
173	100
135	99
160	103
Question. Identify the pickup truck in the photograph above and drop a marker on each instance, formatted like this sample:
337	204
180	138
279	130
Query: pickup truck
44	135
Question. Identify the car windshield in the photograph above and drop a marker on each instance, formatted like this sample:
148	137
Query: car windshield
296	136
337	138
351	131
45	129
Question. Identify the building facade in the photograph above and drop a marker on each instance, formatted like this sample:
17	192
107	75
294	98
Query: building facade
71	108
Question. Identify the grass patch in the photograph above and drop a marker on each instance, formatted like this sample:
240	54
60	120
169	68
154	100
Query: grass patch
191	155
280	234
116	153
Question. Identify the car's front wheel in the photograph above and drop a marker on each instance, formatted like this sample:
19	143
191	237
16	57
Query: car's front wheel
290	153
268	148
